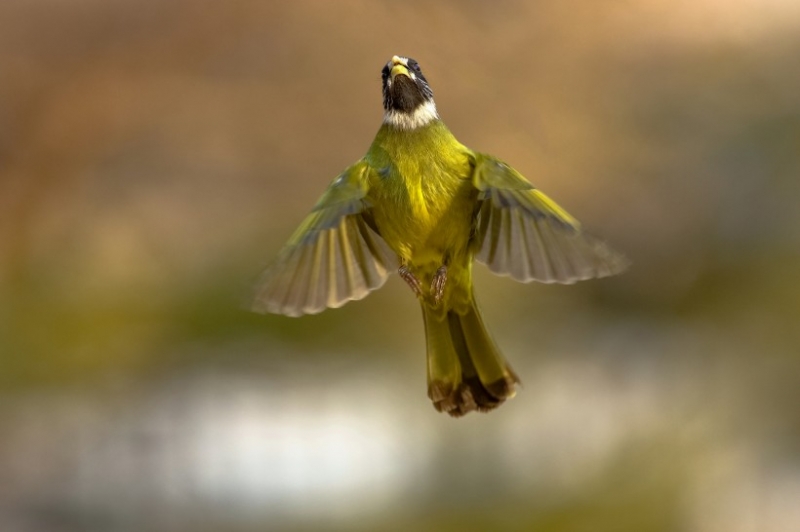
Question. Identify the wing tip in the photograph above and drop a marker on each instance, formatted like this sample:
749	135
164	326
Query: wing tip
612	264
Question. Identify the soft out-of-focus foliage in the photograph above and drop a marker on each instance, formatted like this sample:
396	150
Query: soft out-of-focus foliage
154	155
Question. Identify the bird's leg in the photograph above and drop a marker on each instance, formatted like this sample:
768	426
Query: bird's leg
437	284
410	279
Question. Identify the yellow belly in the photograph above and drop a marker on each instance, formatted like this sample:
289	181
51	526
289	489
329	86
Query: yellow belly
423	198
426	215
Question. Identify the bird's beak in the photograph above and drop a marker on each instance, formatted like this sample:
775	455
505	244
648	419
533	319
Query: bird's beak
399	68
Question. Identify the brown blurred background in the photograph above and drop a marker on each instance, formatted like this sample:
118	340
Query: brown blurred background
155	155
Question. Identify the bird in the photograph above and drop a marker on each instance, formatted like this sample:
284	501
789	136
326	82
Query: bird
423	205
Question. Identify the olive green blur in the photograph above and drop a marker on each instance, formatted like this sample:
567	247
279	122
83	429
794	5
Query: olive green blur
155	156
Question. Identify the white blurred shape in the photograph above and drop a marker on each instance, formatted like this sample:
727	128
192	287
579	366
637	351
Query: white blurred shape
298	449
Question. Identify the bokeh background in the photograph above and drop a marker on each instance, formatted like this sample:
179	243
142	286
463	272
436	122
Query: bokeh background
154	155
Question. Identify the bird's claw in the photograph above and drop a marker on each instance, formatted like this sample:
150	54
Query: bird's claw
410	279
437	284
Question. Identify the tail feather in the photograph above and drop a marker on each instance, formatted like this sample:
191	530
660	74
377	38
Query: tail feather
466	370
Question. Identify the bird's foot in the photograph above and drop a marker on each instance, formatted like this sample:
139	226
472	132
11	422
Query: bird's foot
437	284
410	279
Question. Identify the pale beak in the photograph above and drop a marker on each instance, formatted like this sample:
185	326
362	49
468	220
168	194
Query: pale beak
399	68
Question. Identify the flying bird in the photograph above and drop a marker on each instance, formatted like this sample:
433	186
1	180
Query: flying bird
424	205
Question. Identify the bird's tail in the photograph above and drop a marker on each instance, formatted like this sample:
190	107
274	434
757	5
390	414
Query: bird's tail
466	371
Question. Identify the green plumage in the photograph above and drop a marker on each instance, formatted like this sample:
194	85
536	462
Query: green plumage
422	202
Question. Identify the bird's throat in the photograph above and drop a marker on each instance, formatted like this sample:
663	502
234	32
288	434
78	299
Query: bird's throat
422	115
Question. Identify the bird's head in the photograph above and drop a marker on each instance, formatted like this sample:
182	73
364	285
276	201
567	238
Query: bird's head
407	97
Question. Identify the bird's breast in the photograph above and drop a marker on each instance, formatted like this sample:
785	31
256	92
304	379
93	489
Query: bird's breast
423	207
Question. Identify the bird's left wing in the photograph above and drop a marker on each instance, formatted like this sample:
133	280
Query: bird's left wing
335	256
522	233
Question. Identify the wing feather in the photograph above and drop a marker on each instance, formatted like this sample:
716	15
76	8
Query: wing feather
334	257
522	233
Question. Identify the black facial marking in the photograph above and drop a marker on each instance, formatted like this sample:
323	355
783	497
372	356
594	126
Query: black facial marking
405	94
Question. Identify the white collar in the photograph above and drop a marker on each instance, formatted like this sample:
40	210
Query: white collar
422	115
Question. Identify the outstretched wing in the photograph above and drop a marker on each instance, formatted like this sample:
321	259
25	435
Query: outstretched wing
335	256
523	233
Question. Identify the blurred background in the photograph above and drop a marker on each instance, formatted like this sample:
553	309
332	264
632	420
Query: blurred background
155	155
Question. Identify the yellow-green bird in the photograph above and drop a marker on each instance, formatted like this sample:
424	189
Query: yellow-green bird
423	204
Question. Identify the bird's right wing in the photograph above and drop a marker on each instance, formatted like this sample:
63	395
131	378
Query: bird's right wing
523	233
335	256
